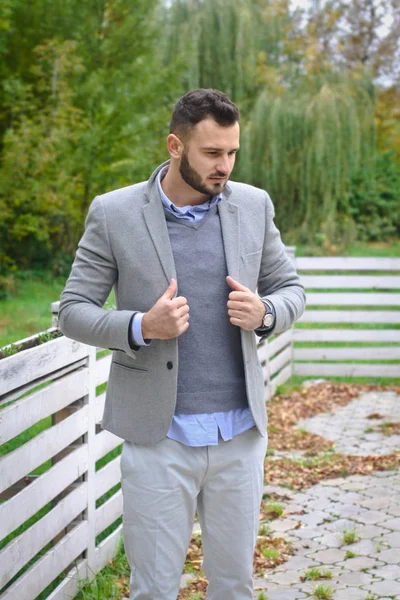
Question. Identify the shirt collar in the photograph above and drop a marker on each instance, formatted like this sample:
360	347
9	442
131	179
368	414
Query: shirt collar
183	210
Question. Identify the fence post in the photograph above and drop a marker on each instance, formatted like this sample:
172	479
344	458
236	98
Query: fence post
55	307
90	440
291	251
91	472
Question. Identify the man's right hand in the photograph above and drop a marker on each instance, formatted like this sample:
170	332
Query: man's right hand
168	318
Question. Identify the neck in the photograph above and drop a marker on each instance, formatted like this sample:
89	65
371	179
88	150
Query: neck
178	191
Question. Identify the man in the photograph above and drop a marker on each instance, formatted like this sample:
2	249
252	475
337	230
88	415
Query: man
186	252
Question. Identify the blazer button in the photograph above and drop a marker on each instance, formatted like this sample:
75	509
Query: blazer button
169	365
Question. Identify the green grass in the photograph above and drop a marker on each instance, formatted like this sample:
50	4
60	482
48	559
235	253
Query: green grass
29	310
360	249
349	536
324	592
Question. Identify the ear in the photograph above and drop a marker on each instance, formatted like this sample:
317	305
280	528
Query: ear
175	146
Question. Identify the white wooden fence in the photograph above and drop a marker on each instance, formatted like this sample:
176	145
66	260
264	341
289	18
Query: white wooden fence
54	385
357	300
60	510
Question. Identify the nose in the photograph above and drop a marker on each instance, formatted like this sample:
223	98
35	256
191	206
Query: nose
224	165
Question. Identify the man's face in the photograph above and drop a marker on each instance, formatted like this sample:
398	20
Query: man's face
209	155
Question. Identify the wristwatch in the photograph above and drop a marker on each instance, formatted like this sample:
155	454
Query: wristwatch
269	318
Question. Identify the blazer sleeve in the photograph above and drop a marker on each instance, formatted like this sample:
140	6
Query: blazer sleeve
93	274
278	281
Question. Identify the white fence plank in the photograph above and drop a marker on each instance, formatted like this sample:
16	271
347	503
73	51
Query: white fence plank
331	282
24	413
42	490
99	408
347	335
109	512
353	299
345	370
104	443
350	316
72	584
262	352
46	569
347	263
374	353
15	465
107	549
102	369
31	365
24	547
282	377
282	340
108	476
280	360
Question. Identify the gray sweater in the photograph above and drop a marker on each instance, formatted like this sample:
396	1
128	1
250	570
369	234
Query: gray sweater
210	370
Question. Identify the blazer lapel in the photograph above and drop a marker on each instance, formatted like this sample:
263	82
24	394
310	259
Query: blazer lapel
229	214
154	217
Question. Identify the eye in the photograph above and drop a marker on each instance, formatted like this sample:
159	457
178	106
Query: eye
212	153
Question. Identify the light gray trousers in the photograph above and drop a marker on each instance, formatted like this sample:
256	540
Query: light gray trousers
162	487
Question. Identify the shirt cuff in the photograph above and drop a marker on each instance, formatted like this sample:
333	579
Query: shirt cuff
137	330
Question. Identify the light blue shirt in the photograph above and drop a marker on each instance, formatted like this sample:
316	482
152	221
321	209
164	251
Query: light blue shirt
202	429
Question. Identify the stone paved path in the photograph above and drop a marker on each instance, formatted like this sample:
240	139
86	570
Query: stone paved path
366	505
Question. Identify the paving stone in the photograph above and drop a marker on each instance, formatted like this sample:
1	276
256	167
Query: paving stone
340	525
370	517
331	540
348	511
389	556
281	525
363	547
393	539
329	557
285	577
387	571
287	594
370	531
301	563
314	518
306	533
350	593
360	563
393	524
356	578
384	588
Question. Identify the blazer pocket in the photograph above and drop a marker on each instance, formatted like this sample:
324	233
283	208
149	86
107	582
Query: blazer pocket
252	257
130	367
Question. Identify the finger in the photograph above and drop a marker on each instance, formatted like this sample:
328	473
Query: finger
238	296
236	304
171	290
236	322
236	314
235	285
183	310
180	301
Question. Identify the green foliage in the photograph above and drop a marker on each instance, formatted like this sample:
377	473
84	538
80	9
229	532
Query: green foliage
304	146
84	106
374	199
86	92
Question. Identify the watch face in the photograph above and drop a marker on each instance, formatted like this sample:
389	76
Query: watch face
268	320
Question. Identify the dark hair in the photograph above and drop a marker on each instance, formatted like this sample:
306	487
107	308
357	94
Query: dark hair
197	105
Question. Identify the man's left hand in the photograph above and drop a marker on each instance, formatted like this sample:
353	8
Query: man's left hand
245	308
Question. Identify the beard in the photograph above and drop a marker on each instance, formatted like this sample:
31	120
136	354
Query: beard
193	178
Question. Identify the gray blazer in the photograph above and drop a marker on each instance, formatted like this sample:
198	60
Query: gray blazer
126	245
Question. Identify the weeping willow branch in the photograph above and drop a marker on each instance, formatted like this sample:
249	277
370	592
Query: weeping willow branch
305	146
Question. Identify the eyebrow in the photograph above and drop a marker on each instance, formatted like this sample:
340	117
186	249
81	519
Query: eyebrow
218	149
